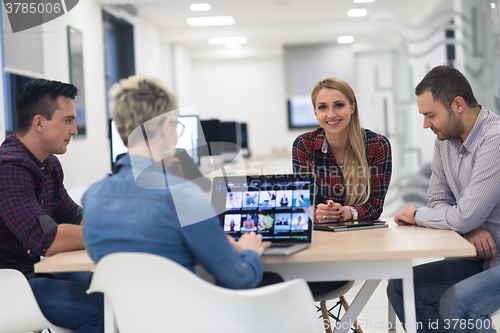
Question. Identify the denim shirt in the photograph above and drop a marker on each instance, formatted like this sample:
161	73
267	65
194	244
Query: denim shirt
138	208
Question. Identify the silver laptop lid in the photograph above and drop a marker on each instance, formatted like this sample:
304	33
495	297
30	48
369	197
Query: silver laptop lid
276	206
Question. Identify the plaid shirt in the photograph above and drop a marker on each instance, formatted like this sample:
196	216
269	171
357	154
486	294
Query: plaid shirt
33	201
308	156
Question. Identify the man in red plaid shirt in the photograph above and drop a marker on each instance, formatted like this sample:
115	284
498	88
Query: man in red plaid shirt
37	216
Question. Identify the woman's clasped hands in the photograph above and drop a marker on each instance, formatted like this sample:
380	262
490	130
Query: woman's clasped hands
332	212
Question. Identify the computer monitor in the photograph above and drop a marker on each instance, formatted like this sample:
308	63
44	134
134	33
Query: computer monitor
212	132
116	143
188	140
231	136
245	149
231	140
300	113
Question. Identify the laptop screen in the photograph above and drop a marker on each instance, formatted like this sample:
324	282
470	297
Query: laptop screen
275	206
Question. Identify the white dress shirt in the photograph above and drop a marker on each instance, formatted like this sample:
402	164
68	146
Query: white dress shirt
464	188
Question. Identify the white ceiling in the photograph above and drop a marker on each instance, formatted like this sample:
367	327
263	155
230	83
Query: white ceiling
279	22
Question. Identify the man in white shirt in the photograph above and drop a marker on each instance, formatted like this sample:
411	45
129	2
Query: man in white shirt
457	295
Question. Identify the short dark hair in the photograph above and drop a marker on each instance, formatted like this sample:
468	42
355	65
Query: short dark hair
39	97
445	83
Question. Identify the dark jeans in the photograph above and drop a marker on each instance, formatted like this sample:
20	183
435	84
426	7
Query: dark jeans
270	278
317	288
320	288
451	295
64	301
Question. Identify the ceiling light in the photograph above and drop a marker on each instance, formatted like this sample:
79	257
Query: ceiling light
227	40
200	7
205	21
345	39
493	5
363	1
357	12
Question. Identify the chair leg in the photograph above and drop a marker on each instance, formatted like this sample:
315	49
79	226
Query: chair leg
326	320
346	306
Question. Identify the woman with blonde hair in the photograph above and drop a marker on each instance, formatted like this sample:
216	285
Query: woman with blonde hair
352	165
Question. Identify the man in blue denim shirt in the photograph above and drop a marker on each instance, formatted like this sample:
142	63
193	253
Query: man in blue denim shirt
141	207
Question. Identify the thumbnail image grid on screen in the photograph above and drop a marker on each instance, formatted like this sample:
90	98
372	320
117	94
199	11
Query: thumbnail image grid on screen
277	211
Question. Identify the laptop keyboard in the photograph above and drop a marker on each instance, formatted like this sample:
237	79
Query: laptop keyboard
281	245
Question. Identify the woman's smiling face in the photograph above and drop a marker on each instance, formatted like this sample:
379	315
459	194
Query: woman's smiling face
333	110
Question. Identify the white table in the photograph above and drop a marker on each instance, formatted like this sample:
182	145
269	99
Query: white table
370	255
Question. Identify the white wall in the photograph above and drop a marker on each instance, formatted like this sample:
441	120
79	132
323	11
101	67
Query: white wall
306	65
183	75
153	56
88	158
478	64
373	83
425	55
254	90
250	90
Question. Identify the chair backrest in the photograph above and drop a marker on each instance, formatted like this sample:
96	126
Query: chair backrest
150	293
19	310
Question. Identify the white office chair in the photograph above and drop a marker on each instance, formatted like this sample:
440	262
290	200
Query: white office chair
149	293
19	310
341	303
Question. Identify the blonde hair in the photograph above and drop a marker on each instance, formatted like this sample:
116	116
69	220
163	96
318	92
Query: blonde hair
356	171
141	100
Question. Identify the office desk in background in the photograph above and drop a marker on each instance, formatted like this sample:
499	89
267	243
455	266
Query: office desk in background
370	255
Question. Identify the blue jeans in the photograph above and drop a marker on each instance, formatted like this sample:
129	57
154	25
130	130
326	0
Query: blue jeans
473	299
450	292
64	301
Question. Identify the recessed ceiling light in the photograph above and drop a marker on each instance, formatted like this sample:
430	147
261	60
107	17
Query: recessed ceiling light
345	39
493	5
357	12
200	7
363	1
205	21
225	40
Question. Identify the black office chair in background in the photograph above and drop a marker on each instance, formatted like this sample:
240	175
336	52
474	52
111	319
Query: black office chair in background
184	167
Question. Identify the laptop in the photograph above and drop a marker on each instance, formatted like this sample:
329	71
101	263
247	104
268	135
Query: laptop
279	207
350	225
